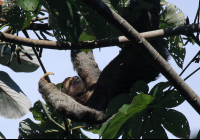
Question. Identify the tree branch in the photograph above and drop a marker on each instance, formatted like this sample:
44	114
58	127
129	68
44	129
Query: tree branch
187	29
67	106
148	51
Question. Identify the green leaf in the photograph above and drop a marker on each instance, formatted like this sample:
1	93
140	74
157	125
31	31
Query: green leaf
172	100
174	45
116	103
59	86
30	130
158	90
105	125
51	123
135	126
26	65
124	108
14	103
139	86
140	101
87	35
47	116
152	128
28	5
174	121
18	18
113	125
172	16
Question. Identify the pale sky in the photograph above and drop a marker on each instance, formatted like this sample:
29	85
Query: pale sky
60	64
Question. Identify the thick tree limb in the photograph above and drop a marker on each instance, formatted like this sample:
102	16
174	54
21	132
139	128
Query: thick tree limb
67	106
148	51
187	29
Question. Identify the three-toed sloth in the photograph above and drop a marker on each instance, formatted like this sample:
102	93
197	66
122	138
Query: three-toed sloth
74	87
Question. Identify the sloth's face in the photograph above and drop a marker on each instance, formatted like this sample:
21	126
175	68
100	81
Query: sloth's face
73	86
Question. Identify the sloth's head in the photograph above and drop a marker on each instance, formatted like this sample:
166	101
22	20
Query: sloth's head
73	86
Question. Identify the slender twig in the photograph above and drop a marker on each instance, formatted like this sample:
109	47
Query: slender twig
169	89
191	74
48	33
189	63
192	60
41	33
39	60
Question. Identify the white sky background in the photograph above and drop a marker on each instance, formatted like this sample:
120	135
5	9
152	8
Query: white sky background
60	64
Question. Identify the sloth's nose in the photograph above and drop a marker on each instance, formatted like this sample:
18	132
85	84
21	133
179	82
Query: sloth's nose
76	78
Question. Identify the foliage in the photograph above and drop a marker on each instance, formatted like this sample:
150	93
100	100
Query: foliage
27	59
138	114
146	115
14	103
51	125
19	15
173	16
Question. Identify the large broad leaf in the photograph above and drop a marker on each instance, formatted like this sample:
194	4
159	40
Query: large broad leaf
13	102
165	98
30	130
85	36
174	121
112	126
172	16
28	5
139	86
117	103
51	125
27	65
147	116
47	128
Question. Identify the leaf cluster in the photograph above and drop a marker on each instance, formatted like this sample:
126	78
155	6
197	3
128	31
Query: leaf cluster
147	115
51	125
